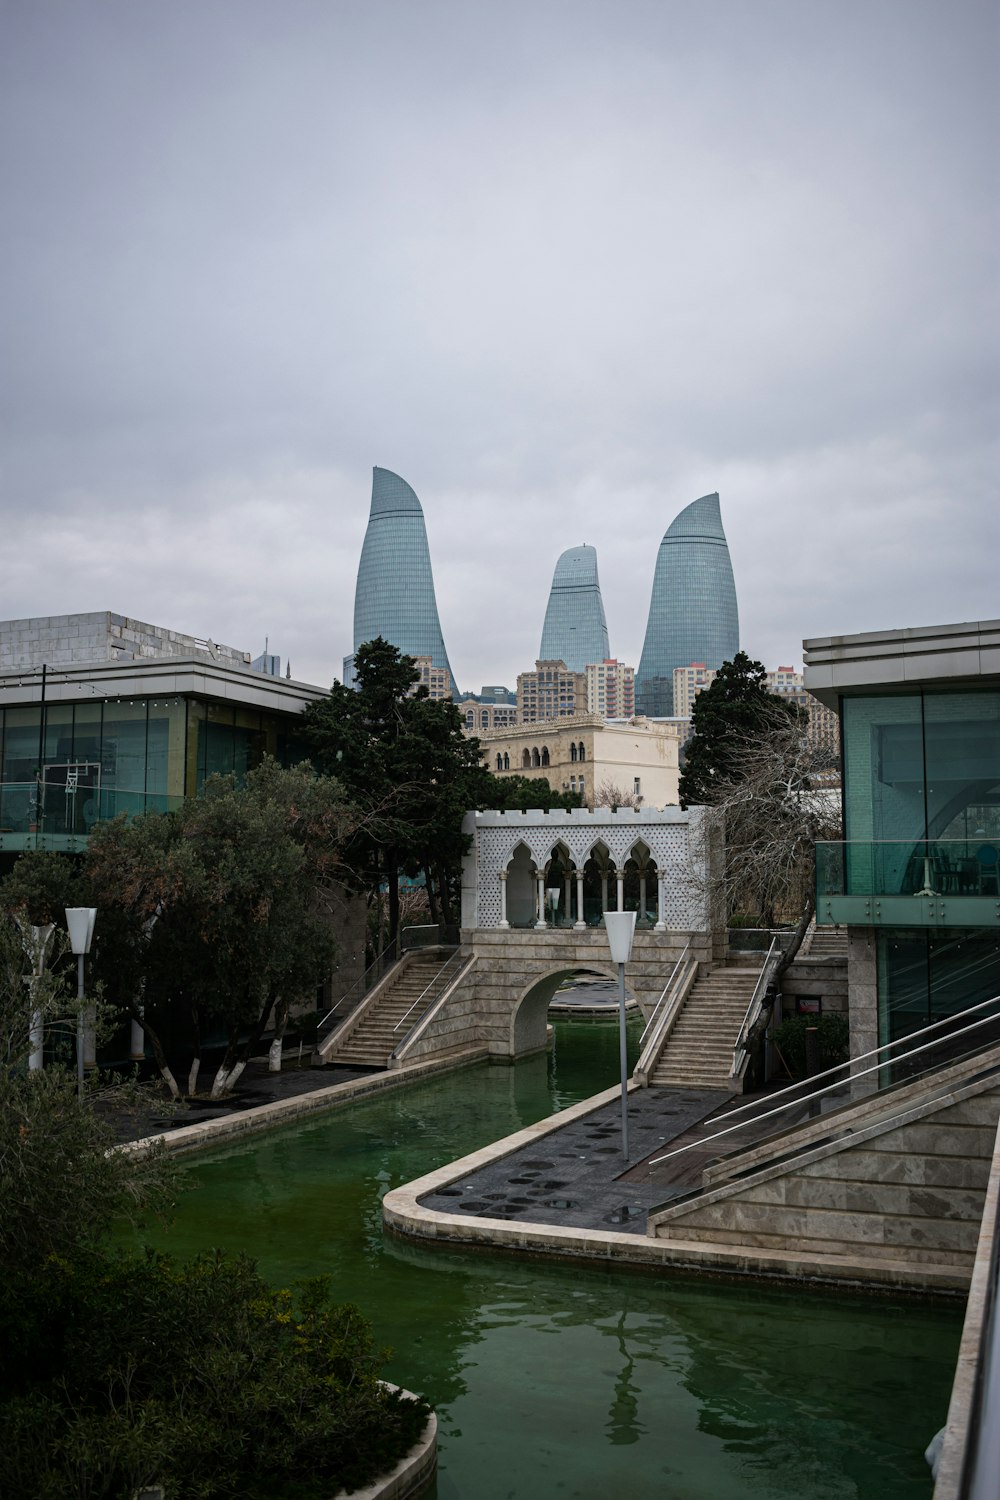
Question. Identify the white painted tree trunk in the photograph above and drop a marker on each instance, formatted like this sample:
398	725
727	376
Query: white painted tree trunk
274	1056
171	1082
36	1057
193	1076
225	1080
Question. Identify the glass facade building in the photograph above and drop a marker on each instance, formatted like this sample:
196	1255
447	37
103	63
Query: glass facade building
394	597
693	615
917	875
68	764
575	630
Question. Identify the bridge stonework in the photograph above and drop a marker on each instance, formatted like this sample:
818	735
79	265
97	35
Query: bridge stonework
501	1001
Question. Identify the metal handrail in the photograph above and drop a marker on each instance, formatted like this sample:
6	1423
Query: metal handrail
436	980
853	1074
980	1475
755	999
468	962
663	993
360	981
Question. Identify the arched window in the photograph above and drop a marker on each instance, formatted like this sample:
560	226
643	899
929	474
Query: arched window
572	753
582	751
470	720
536	759
526	758
545	755
499	762
506	761
484	720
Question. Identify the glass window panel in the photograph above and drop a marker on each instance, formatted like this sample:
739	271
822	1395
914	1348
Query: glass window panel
165	751
962	739
123	755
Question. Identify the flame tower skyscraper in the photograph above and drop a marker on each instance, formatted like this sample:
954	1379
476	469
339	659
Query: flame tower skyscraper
693	615
575	629
394	597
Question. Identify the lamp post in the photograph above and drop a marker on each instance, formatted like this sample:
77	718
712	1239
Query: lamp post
80	921
621	930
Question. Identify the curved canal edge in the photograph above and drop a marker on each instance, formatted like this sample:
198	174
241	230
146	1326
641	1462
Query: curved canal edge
415	1469
406	1217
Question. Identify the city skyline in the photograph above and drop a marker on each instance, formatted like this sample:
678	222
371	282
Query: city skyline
581	264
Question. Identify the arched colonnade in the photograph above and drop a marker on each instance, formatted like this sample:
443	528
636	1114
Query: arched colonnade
567	890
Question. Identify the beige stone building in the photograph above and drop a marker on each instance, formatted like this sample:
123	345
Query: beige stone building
610	689
437	680
637	760
551	691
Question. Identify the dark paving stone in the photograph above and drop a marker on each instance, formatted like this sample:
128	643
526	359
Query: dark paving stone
599	1191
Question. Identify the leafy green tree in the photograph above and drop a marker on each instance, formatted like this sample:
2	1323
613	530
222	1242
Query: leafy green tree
406	762
198	1377
727	716
60	1184
523	793
221	911
122	1371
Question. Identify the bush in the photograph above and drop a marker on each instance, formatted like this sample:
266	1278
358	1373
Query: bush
199	1377
790	1040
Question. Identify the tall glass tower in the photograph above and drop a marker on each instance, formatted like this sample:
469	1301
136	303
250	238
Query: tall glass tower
692	611
394	597
575	630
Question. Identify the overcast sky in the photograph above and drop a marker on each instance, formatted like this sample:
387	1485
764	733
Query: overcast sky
563	266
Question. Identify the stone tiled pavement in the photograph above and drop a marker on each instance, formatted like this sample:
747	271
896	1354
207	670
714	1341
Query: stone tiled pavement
574	1175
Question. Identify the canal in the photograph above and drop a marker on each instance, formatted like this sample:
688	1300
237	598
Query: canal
555	1381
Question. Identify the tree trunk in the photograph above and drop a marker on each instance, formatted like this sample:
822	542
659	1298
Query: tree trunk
392	876
196	1053
446	905
431	898
158	1052
236	1058
222	1076
281	1009
802	927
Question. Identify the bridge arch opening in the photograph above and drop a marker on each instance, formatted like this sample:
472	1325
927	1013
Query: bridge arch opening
530	1016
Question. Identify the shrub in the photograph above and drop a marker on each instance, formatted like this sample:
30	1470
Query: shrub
199	1377
790	1040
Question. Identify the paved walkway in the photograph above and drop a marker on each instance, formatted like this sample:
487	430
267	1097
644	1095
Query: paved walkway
575	1174
257	1086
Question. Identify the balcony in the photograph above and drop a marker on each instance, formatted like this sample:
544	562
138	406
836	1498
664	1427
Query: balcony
59	815
909	883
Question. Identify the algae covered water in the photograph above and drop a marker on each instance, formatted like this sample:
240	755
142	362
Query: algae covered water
556	1381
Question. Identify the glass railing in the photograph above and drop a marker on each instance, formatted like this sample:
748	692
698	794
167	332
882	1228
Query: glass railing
907	867
34	812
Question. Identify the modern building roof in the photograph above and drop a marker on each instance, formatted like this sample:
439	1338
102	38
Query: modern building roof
693	615
575	630
395	597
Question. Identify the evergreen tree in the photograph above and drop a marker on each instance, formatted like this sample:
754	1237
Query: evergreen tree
734	710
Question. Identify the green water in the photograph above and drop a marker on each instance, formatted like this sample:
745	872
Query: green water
559	1382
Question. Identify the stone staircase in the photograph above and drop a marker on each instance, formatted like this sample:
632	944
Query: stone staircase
699	1050
828	942
371	1035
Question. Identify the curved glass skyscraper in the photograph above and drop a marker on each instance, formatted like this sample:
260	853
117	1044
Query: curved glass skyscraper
575	630
394	597
692	611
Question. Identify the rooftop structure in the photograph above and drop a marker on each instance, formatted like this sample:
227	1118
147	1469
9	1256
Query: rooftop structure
394	597
575	630
693	614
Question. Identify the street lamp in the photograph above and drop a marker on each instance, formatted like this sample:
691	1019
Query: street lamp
621	930
80	921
